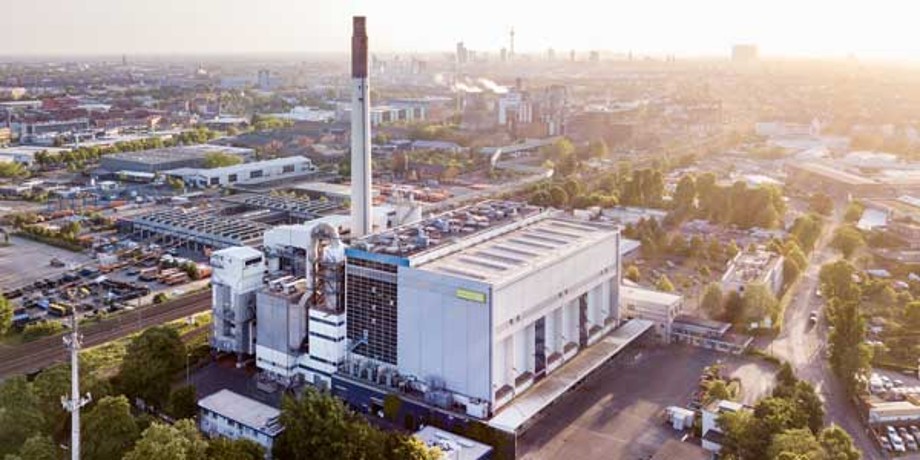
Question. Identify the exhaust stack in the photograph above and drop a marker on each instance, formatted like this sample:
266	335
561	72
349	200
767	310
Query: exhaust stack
361	217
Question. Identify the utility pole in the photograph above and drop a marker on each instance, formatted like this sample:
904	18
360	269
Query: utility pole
75	402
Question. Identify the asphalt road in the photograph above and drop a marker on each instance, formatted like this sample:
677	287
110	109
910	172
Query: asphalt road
804	345
36	355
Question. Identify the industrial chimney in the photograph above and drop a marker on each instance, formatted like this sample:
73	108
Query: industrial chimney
360	133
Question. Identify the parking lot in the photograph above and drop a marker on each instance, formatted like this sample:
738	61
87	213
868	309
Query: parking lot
617	413
25	261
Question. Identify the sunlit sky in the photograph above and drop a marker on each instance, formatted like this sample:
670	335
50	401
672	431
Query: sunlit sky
875	29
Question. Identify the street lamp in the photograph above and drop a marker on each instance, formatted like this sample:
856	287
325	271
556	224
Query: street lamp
187	374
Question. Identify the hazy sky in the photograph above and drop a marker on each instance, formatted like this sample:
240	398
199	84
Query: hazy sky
876	28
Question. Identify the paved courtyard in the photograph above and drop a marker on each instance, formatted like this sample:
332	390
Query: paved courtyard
617	412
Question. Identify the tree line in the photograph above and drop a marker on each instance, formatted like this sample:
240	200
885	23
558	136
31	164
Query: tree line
788	425
33	423
79	156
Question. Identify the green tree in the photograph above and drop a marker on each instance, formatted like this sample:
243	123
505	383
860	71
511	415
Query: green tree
836	281
598	149
108	429
20	417
850	357
164	442
411	448
732	250
717	390
664	284
632	274
6	314
39	447
239	449
319	426
821	203
912	316
759	302
183	403
799	442
734	307
221	159
742	439
151	360
712	301
854	212
837	444
685	194
558	197
847	239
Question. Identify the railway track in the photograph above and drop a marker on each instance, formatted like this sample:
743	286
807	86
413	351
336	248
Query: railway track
36	355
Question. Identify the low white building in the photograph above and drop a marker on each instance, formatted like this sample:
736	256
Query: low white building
247	173
713	437
659	307
230	415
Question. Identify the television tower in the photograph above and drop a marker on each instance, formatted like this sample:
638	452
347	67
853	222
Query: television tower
511	50
75	402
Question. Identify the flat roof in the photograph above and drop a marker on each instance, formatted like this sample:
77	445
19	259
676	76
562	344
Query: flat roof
717	326
509	255
833	173
648	295
453	446
523	408
246	411
170	154
443	230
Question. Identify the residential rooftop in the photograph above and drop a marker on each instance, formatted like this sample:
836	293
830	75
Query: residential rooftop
246	411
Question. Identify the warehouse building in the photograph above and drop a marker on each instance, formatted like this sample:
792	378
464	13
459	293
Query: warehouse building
157	160
277	169
468	310
195	229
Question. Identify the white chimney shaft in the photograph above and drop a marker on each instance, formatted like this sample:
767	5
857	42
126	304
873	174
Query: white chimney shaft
361	218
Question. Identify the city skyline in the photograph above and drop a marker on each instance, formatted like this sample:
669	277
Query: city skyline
706	28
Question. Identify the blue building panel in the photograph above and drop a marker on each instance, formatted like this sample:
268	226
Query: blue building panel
374	257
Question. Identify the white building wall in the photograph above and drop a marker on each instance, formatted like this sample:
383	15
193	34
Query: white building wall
214	424
276	362
442	335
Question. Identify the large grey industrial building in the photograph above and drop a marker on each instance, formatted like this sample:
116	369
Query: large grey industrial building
240	220
156	160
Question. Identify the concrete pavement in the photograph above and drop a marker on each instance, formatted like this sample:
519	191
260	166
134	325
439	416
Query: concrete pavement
804	345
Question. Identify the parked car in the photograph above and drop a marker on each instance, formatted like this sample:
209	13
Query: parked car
891	430
885	443
915	430
911	444
897	444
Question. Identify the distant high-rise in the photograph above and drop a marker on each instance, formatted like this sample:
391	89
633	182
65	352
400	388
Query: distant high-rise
504	54
550	54
463	54
744	53
572	55
594	56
